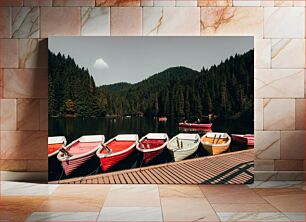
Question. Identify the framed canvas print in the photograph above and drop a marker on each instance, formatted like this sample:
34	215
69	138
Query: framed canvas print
151	110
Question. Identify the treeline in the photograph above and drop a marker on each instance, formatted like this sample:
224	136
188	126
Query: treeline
226	90
71	90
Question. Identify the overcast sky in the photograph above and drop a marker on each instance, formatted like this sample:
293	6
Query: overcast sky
132	59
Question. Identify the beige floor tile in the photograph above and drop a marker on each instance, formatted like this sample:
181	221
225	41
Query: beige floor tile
133	196
285	200
130	214
71	204
19	208
244	207
88	191
187	209
63	216
20	189
188	191
230	194
266	192
253	216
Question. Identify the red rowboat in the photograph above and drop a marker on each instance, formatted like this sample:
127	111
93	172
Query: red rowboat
247	139
79	152
116	149
196	125
54	144
151	145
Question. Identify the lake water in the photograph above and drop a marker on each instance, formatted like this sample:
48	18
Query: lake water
74	128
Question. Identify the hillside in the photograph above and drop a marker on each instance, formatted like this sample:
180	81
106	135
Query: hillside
116	88
226	90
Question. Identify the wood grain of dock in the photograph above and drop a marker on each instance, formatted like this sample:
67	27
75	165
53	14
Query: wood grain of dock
228	168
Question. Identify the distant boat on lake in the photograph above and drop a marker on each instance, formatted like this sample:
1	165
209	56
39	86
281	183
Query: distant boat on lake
162	119
196	125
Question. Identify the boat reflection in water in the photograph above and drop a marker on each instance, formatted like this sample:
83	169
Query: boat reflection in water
194	130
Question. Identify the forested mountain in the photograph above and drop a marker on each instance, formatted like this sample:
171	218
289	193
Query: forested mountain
226	90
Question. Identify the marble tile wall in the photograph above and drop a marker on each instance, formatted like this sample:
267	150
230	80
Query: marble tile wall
277	25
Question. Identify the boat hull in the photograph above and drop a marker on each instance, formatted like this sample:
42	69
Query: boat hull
71	166
181	155
109	162
214	149
250	139
240	140
149	156
245	140
54	166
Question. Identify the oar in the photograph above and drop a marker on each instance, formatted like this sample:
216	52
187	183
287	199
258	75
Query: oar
142	146
108	150
214	139
178	143
218	139
65	152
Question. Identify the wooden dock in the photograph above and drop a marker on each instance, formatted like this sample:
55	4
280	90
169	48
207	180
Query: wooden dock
229	168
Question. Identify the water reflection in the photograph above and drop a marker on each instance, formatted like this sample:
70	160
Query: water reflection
110	127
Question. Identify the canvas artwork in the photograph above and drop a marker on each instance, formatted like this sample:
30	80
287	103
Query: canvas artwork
151	110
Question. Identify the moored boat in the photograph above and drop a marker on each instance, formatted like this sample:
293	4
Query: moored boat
183	145
79	152
116	150
216	143
151	145
162	119
246	140
54	144
196	125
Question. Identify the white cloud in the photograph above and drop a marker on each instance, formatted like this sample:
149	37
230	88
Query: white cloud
100	64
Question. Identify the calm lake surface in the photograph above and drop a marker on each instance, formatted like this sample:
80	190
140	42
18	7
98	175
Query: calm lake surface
74	128
110	127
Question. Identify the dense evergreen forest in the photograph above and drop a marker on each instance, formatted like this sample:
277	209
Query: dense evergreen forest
226	90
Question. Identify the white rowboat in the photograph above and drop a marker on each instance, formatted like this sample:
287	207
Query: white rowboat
183	145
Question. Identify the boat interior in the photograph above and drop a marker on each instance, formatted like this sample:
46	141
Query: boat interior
151	143
82	147
117	146
54	147
215	140
183	143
